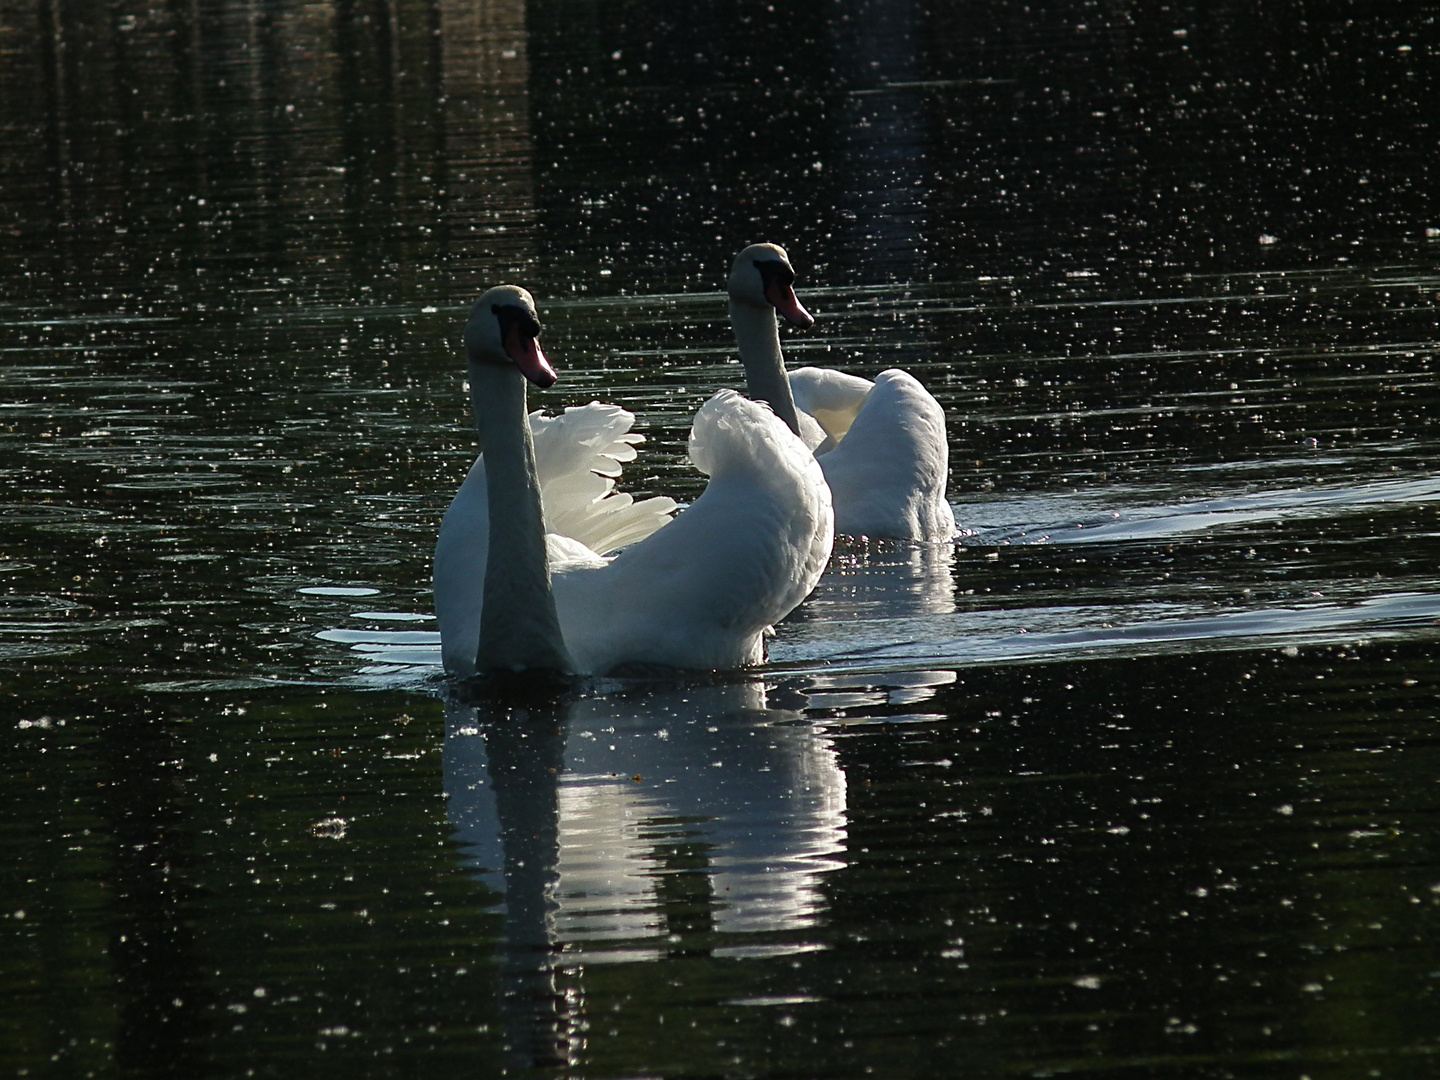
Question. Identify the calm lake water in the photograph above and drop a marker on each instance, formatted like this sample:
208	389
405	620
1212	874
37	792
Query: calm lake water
1139	778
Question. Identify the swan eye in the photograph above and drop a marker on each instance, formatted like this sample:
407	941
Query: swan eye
774	272
513	317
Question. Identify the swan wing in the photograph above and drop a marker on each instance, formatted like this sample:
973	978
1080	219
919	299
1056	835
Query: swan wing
832	397
889	474
701	592
578	455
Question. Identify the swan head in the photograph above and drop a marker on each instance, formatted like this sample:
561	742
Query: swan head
504	329
763	277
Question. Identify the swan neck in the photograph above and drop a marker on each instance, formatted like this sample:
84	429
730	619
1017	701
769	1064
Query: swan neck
757	335
519	628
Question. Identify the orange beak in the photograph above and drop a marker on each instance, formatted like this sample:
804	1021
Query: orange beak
524	351
782	299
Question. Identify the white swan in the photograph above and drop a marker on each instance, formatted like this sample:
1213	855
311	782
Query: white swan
881	444
696	591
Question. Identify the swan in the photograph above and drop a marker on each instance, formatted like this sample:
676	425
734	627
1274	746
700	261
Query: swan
695	590
881	444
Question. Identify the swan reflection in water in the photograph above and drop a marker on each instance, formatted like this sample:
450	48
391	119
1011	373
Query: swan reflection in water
887	579
631	826
877	597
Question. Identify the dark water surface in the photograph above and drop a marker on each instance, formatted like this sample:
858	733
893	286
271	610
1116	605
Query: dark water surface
1140	778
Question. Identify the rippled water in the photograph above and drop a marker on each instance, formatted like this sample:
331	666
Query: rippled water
1137	778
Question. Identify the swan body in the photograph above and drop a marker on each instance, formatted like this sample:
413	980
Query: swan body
881	444
524	577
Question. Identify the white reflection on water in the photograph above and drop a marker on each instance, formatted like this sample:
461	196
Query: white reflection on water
634	824
648	784
886	579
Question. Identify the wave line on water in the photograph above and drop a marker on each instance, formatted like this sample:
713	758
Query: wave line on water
1081	633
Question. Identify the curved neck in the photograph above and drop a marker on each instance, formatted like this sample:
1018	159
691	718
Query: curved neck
518	625
757	334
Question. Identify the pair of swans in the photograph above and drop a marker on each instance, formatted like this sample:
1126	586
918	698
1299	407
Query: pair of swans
523	577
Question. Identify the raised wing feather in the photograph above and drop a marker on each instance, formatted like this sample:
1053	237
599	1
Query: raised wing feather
888	477
577	456
831	397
